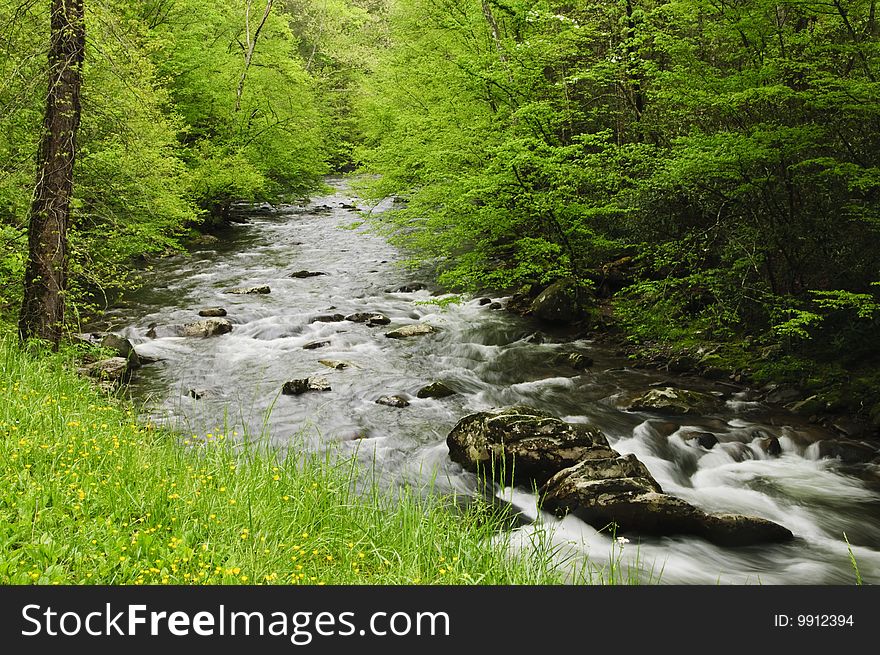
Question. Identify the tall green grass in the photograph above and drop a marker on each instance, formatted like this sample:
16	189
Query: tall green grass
88	495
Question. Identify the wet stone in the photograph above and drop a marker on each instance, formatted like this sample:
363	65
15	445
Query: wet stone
435	390
207	328
305	274
410	331
244	291
303	385
393	401
314	345
328	318
334	364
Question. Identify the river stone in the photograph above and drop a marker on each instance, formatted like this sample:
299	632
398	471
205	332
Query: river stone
410	331
393	401
300	386
212	312
669	400
847	451
771	446
334	364
328	318
204	240
524	441
705	439
197	394
577	361
114	369
409	288
117	344
314	345
620	491
305	274
207	328
435	390
808	406
372	319
563	301
241	291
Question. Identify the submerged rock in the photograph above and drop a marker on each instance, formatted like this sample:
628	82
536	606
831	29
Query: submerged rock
328	318
409	288
314	345
372	319
334	364
212	312
241	291
304	274
410	331
207	328
393	401
302	385
577	361
435	390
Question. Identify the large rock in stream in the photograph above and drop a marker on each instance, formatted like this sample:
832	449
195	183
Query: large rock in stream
564	301
410	331
249	291
673	401
522	442
208	328
578	472
622	492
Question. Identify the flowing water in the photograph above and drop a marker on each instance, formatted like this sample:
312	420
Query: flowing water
486	356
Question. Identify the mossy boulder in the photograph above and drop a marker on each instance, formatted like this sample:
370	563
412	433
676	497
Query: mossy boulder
621	492
673	401
522	443
564	301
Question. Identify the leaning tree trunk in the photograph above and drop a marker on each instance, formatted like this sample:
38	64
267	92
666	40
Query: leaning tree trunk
45	280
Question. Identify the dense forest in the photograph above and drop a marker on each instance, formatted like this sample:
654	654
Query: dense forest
705	173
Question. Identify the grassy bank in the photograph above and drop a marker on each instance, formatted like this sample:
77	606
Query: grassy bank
89	495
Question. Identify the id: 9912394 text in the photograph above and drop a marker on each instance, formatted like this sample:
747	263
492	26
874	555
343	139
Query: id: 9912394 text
813	621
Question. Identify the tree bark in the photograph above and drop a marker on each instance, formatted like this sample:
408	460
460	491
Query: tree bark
45	281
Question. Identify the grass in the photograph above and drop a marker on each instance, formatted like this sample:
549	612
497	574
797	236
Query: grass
852	561
88	495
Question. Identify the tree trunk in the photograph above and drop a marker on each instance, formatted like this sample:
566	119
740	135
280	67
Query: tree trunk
45	280
250	46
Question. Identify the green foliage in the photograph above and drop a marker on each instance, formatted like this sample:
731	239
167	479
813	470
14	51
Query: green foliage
165	144
733	147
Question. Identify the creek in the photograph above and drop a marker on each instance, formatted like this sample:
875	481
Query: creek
487	357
